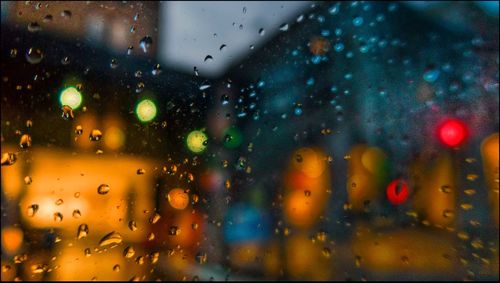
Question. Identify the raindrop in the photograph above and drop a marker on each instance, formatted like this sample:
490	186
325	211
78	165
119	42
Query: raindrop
154	219
129	50
136	17
445	189
262	31
140	171
132	29
59	202
224	99
65	61
284	27
48	18
156	70
116	268
431	76
25	141
326	252
447	213
34	55
32	210
129	252
95	135
358	261
154	257
79	130
66	14
67	113
77	213
307	193
83	231
222	47
28	180
13	53
204	86
357	21
58	217
132	225
300	18
252	47
208	58
146	43
201	257
103	189
140	87
113	63
173	231
8	159
195	71
298	158
34	27
244	10
111	238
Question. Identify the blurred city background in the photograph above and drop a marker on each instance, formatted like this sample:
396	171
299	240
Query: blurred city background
249	140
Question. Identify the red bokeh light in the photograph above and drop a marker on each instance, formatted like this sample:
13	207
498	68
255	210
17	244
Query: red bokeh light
452	132
395	196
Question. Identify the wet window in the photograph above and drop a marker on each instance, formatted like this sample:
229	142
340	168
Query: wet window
230	141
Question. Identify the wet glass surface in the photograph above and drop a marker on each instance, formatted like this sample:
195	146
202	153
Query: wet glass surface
249	140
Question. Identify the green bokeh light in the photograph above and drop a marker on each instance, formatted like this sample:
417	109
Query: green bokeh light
232	137
145	110
196	141
71	96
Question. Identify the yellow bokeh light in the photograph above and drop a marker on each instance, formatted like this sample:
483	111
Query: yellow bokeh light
146	110
12	238
71	97
178	199
196	141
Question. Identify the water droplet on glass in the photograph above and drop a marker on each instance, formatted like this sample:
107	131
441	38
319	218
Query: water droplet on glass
116	268
154	218
103	189
262	32
140	171
146	43
113	64
59	202
284	27
204	86
32	210
8	159
195	71
208	58
156	70
58	217
79	130
222	47
65	61
25	141
67	113
34	27
431	75
140	87
132	225
83	231
445	189
326	252
298	158
357	21
34	55
307	193
77	213
28	180
95	135
136	17
447	213
111	238
66	14
173	231
201	257
129	252
13	53
48	18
